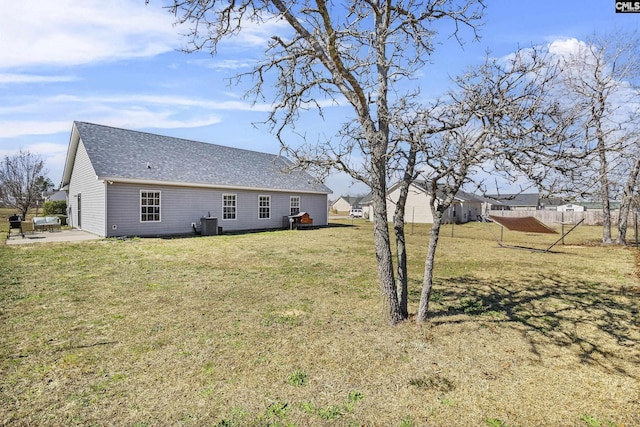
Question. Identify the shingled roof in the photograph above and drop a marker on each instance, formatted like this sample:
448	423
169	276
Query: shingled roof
122	155
518	199
460	195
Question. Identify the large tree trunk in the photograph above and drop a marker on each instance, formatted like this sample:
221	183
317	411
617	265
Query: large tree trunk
384	258
606	217
604	174
627	200
606	208
427	283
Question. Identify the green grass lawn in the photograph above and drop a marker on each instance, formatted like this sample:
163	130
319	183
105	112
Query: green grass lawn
285	328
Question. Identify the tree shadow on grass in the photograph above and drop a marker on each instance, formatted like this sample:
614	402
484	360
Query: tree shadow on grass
599	322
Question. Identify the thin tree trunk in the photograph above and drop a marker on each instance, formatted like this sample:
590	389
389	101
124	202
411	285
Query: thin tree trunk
401	268
627	199
398	228
427	283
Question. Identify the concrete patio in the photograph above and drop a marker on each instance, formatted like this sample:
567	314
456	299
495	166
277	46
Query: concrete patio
51	237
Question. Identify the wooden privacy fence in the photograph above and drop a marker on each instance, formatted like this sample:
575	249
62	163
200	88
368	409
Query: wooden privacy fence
572	217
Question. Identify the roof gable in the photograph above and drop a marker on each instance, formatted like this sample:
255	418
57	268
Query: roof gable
351	200
126	155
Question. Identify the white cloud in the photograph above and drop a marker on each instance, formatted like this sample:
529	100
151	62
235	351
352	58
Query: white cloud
142	118
72	32
53	154
177	102
566	46
32	78
126	118
227	64
143	99
75	32
11	129
133	111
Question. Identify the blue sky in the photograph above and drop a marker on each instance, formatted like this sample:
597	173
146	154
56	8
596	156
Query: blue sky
118	63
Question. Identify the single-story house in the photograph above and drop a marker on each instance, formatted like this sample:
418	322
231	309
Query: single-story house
128	183
465	207
346	203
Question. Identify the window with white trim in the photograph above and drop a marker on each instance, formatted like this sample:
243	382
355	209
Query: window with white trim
295	205
264	207
149	206
229	206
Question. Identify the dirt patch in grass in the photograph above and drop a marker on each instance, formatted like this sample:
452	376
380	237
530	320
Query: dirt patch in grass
284	328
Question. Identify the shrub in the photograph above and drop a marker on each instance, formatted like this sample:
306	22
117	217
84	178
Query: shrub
57	207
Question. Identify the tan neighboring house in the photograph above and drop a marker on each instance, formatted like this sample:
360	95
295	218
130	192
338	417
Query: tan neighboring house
466	206
345	203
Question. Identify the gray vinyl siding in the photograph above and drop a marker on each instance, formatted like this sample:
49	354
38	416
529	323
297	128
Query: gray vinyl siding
84	182
316	205
182	206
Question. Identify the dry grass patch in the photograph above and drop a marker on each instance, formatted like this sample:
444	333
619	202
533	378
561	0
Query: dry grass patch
283	328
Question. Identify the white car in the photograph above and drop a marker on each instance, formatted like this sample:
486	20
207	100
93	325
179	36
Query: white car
355	213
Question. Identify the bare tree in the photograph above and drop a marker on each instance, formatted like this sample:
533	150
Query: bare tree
412	124
628	193
599	76
502	118
357	52
21	176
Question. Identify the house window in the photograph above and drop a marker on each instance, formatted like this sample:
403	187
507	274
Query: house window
149	206
264	207
295	205
229	206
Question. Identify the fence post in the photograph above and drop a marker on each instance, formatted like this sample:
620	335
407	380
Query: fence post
562	222
413	219
636	221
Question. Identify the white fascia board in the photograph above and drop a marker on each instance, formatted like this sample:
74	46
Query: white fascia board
199	185
70	160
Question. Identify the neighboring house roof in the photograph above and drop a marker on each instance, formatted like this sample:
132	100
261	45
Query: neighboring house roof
462	196
366	199
552	201
122	155
598	205
466	197
520	199
57	196
351	200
